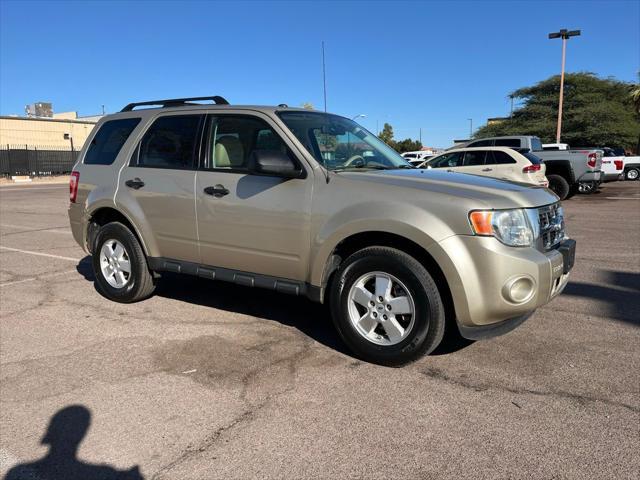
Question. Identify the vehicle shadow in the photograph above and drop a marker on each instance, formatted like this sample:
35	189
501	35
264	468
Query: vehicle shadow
66	430
310	318
621	292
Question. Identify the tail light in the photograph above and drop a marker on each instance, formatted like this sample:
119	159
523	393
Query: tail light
592	160
73	186
619	164
532	168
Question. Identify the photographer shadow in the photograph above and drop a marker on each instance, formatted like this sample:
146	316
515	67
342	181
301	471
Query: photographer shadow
65	433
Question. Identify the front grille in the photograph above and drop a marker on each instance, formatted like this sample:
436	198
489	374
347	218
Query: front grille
551	220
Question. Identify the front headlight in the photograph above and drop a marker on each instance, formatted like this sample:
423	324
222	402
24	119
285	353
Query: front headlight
511	227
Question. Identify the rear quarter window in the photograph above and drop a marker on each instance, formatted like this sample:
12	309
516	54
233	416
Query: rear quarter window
106	144
497	157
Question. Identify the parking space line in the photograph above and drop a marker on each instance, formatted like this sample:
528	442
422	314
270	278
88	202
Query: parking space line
31	279
40	254
27	230
34	187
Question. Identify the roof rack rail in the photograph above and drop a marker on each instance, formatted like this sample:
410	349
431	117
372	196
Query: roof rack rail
175	102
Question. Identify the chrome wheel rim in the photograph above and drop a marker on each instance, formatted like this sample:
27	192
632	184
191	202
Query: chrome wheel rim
381	309
632	174
114	263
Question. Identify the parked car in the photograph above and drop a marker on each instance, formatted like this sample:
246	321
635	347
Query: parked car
612	164
497	162
615	165
243	194
631	167
416	158
568	172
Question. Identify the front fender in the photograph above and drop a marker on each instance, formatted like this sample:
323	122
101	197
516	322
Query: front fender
401	219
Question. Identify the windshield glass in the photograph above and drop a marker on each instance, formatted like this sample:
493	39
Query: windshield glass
339	143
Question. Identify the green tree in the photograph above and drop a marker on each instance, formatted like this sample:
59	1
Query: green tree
386	135
596	112
407	145
307	105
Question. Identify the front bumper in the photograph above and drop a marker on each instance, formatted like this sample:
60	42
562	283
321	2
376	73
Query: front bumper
478	271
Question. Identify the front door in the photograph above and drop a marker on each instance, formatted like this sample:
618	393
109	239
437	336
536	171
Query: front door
157	186
251	223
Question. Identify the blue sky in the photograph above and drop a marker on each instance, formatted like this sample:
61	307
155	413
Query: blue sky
413	64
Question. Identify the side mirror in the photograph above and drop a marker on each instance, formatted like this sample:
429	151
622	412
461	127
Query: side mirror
274	163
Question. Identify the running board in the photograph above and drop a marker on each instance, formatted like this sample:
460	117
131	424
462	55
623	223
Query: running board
246	279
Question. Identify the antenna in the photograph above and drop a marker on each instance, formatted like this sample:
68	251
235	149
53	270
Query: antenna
324	79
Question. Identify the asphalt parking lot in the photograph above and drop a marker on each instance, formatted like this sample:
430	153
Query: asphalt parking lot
208	380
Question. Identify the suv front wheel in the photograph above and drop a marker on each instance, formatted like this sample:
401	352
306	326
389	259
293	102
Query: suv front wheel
386	306
120	266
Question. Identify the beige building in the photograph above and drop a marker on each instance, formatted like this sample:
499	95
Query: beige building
57	132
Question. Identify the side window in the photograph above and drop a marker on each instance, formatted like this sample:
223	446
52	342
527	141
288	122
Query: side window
508	142
170	142
106	144
447	160
481	143
474	158
499	158
232	140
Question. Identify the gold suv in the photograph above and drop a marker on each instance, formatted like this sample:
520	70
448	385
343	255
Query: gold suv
309	203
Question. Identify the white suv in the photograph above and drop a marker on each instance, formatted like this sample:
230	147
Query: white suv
497	162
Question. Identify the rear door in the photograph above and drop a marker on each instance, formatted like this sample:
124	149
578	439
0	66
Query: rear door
501	165
251	223
156	188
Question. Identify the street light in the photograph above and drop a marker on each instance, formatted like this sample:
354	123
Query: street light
358	116
470	127
565	35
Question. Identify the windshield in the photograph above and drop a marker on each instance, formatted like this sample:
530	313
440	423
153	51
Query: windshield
340	144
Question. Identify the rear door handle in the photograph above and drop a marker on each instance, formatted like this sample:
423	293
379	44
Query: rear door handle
487	169
217	191
136	183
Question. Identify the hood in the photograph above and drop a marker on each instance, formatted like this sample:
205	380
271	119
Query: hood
491	192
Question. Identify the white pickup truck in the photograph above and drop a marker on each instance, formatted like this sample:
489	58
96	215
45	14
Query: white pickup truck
616	167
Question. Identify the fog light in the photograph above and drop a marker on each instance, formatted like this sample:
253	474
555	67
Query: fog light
519	289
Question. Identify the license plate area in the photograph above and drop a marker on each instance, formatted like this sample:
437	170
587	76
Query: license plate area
568	251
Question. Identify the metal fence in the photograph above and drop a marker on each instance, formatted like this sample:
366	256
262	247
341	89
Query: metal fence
36	161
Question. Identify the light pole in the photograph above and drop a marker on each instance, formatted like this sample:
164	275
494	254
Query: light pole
358	116
470	127
565	35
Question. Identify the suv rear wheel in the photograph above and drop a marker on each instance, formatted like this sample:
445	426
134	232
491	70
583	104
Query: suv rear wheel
120	265
386	306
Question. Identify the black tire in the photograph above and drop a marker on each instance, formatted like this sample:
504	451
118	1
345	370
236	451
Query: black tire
573	190
632	174
140	284
559	186
429	315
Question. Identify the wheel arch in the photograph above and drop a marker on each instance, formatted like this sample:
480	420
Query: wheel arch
562	168
360	240
106	214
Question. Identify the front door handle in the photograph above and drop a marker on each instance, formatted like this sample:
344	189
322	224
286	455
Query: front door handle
136	183
217	191
487	169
